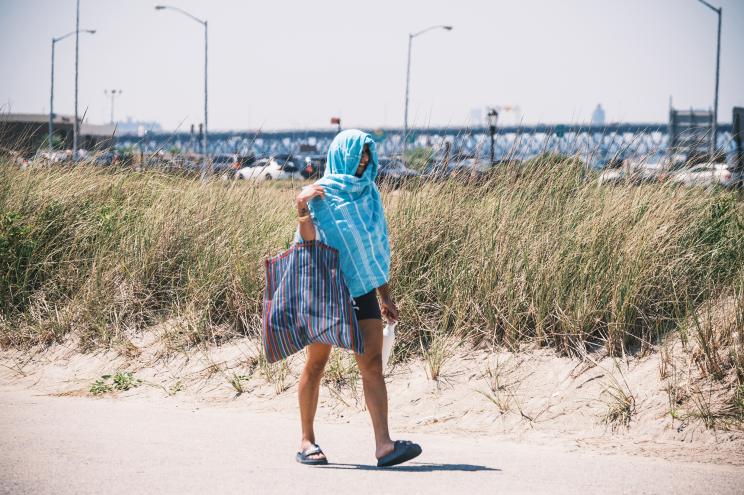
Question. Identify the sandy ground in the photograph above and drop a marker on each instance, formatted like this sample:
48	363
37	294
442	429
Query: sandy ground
216	419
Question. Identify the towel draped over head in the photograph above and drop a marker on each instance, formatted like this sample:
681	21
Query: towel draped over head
350	216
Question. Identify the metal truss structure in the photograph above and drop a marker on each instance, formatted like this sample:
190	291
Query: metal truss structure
595	143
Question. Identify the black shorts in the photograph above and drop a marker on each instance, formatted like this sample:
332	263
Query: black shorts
366	307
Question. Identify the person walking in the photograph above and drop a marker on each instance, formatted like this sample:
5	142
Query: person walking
344	210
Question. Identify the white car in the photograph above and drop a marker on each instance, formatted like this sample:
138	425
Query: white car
269	169
707	174
52	157
634	171
475	164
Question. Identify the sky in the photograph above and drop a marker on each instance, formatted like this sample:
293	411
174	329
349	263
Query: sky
285	64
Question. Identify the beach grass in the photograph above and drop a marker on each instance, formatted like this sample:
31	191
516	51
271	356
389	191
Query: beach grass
535	253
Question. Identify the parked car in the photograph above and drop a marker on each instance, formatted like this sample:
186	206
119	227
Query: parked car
187	164
106	158
225	163
22	160
246	160
269	169
468	168
313	166
57	156
393	172
707	175
287	159
633	171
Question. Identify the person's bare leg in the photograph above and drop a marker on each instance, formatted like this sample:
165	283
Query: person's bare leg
375	392
308	390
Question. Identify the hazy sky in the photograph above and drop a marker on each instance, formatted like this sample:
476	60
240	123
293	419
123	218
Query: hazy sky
294	64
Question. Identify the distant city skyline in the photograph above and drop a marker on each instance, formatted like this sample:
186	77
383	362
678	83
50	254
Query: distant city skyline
295	64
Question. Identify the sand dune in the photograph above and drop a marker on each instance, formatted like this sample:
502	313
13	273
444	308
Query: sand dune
532	396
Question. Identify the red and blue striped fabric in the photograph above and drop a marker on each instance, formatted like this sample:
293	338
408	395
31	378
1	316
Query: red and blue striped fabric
305	301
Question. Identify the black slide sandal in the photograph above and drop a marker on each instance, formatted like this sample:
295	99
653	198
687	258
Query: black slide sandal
304	456
404	450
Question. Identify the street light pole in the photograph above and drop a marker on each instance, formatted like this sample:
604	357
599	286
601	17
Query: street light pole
408	77
205	138
51	92
51	105
206	93
75	128
493	116
112	94
405	111
714	130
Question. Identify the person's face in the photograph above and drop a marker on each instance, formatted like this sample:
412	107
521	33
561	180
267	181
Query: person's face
363	161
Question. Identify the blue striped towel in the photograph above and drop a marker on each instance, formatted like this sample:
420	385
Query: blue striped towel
350	216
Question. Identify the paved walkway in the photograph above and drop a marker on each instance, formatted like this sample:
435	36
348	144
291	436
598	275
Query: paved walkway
61	445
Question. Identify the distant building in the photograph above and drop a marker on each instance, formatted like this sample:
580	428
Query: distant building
598	115
97	136
27	132
690	133
738	121
137	127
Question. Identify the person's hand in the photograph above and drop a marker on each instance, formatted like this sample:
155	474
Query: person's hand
389	309
307	193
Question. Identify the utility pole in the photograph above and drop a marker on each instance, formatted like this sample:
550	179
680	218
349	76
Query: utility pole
75	126
51	91
205	139
408	78
493	117
112	94
714	130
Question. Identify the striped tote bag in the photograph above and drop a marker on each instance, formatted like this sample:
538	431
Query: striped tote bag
305	301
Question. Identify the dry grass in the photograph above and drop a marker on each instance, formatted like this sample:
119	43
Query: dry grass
501	378
437	348
621	406
277	373
236	381
98	253
342	371
702	375
538	253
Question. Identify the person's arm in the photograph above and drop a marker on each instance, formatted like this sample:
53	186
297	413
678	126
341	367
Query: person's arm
307	229
387	305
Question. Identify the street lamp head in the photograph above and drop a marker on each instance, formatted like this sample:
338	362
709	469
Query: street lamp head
89	31
437	26
493	117
176	9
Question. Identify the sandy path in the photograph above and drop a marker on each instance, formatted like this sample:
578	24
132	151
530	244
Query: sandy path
83	445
